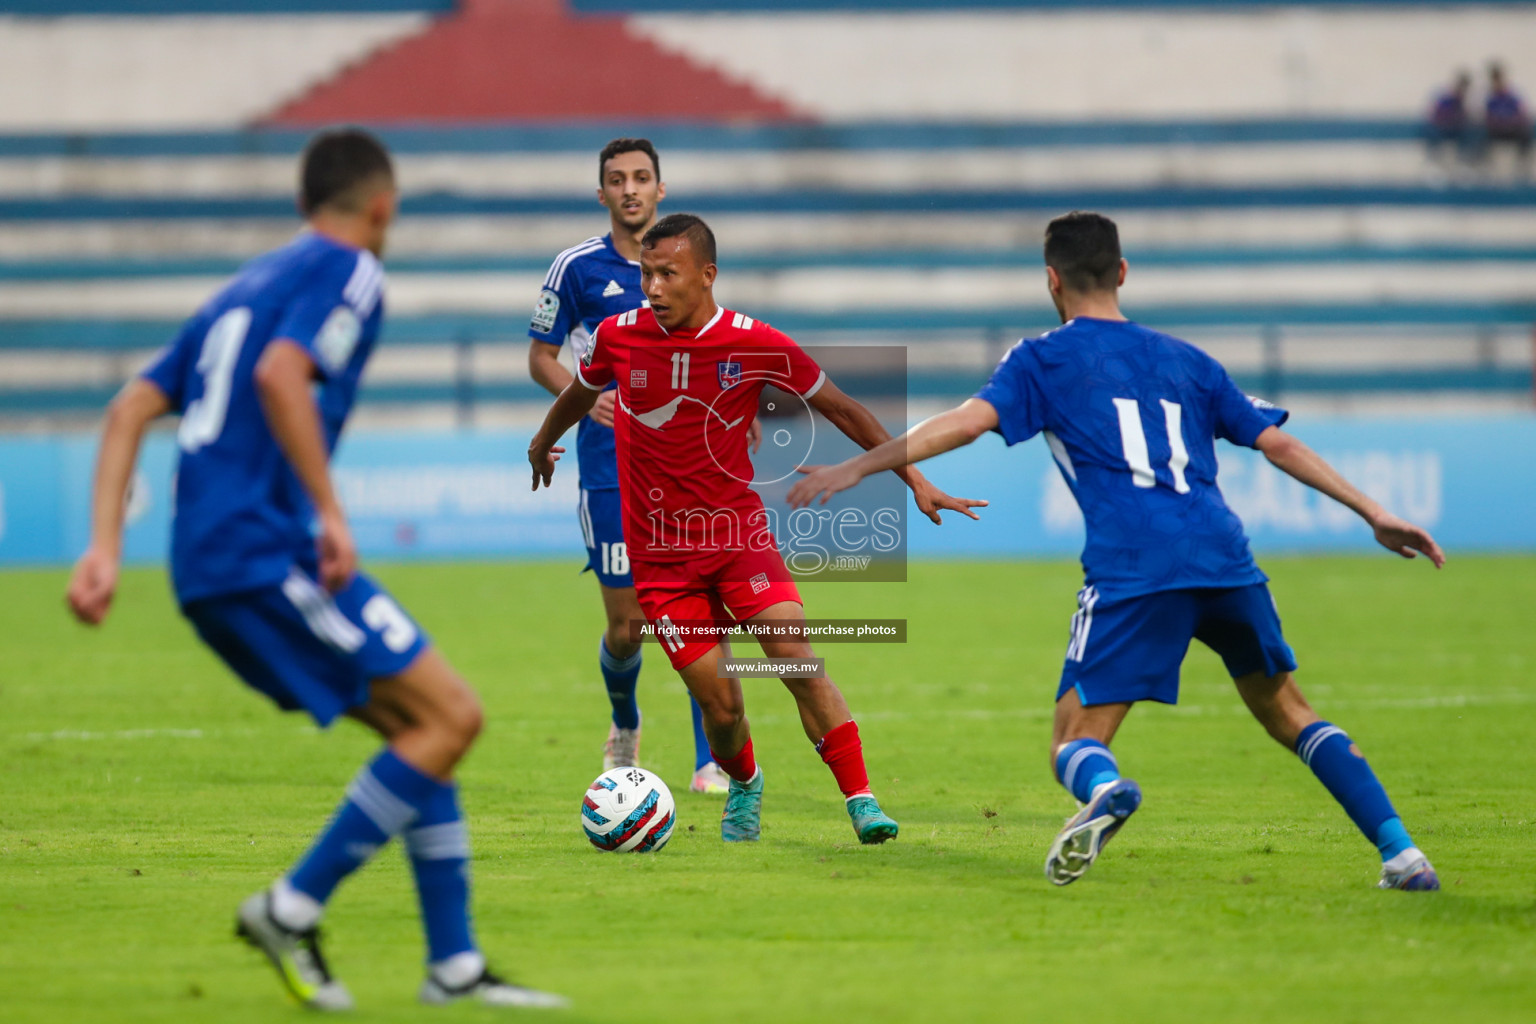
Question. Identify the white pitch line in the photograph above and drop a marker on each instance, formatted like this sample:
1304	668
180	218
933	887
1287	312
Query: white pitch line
1031	712
147	734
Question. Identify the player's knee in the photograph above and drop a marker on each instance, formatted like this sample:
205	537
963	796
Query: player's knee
805	686
618	640
796	651
1279	706
723	711
463	718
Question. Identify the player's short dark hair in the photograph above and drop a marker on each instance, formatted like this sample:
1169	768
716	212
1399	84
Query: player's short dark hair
338	165
1084	250
683	225
618	146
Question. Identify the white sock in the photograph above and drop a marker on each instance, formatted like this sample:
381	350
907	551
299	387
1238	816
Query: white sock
460	969
294	910
1402	860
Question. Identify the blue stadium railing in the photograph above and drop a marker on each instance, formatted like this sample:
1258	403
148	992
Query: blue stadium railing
716	137
87	268
465	390
806	201
117	335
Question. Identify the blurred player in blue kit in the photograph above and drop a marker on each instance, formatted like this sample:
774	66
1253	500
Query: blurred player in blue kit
585	285
263	565
1131	416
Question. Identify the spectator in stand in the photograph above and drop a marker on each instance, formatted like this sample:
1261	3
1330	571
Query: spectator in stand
1505	118
1450	125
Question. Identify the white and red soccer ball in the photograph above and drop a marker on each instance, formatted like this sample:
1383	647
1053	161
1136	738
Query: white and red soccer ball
628	810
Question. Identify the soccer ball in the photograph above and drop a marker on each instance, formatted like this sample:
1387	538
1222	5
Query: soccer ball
629	810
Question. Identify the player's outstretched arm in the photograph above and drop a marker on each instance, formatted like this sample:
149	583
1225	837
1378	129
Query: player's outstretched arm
94	580
574	402
283	377
549	373
545	368
1295	458
934	436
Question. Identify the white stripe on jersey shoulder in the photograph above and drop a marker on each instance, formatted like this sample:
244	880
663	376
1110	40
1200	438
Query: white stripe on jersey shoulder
363	288
628	319
566	255
719	312
741	321
557	269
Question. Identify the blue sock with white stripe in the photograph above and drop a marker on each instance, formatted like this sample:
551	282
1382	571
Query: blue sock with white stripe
1083	766
701	752
385	797
438	845
1339	766
621	675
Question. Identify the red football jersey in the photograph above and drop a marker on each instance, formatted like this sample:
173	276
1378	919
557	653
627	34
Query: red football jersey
686	401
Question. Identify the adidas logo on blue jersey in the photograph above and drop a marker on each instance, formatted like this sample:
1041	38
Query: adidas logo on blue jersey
612	290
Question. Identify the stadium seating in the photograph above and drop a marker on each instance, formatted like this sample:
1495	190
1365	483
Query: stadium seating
1303	236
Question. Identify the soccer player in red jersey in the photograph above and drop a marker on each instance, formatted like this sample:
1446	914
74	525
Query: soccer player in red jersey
701	548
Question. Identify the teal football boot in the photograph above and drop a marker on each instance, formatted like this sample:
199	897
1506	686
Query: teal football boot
742	821
871	823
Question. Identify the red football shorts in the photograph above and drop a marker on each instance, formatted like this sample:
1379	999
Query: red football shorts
716	586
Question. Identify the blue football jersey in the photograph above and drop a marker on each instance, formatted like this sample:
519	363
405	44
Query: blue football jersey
241	517
1131	417
587	284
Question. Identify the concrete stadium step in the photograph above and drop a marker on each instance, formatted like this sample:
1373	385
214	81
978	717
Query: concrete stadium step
135	265
825	201
1175	60
886	292
541	237
158	72
1168	61
999	324
890	170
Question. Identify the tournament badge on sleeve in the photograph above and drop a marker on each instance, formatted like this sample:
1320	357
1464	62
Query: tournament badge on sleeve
546	311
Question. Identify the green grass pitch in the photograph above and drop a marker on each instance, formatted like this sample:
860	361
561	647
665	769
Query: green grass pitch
145	792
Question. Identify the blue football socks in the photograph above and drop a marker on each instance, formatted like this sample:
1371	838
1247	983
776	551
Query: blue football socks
701	752
438	846
1083	766
385	797
1340	767
621	675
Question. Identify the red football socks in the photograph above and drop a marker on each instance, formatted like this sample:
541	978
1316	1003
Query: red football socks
741	767
844	754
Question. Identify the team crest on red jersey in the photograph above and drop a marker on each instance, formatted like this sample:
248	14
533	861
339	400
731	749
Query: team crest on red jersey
730	373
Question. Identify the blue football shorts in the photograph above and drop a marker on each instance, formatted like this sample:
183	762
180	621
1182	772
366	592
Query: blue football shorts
602	530
1131	649
308	649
